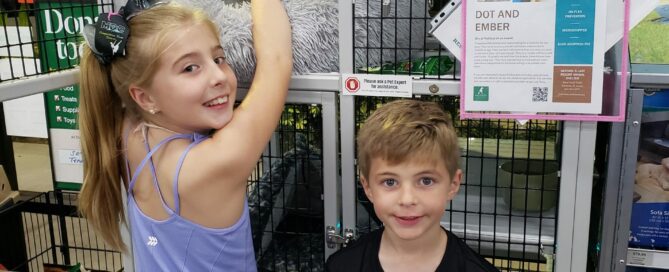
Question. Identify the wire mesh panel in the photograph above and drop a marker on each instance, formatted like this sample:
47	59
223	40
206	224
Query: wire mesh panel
391	37
286	195
45	232
41	36
506	206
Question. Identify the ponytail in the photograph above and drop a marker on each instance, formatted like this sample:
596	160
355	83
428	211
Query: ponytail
100	125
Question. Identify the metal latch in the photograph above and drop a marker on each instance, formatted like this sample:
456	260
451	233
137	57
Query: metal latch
548	254
385	8
333	239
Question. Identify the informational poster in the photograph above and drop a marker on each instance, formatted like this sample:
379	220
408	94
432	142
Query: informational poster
541	56
649	227
61	24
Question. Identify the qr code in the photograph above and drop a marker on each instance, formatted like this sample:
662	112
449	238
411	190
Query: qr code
539	94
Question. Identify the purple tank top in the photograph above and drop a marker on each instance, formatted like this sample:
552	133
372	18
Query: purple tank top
177	244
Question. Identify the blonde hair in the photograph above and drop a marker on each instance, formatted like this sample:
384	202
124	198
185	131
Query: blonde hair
105	98
405	130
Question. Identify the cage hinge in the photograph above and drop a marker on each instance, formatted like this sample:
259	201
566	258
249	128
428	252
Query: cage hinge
334	239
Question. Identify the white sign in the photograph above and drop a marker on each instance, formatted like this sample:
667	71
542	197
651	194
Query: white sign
516	64
25	116
447	27
68	164
70	156
376	85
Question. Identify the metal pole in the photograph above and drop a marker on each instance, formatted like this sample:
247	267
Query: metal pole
7	152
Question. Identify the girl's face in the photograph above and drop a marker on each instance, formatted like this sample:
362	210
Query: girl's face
194	87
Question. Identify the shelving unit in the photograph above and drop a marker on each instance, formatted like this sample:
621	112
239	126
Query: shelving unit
626	144
654	116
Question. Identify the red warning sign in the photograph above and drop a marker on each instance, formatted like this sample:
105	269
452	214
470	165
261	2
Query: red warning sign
352	84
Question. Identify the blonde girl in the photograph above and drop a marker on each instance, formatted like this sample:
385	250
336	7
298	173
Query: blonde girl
157	123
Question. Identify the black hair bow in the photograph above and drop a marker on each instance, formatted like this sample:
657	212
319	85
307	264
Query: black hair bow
108	36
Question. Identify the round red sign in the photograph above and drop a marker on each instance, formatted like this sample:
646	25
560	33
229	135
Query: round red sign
352	84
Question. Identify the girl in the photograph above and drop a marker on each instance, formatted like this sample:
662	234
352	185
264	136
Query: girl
156	116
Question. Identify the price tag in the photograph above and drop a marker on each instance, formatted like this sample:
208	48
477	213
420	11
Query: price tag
640	258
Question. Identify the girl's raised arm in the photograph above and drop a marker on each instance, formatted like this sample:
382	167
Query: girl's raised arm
253	122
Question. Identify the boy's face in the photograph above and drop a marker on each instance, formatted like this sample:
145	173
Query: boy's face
410	197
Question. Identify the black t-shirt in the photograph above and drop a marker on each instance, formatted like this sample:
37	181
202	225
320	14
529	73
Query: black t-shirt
363	255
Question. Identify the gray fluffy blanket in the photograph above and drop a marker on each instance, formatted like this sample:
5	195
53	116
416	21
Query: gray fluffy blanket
315	32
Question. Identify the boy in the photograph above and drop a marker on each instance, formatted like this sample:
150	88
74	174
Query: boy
408	160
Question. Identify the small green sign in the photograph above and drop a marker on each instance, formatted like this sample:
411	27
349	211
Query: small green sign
481	93
63	107
61	24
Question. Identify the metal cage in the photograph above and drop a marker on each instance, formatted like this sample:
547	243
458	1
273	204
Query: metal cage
292	192
285	195
317	133
45	231
391	37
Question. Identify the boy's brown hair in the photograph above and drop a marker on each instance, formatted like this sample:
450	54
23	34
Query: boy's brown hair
408	130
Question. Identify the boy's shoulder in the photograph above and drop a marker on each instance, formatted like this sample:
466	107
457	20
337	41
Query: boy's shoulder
358	255
460	256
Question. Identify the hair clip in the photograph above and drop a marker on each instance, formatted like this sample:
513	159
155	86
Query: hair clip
108	36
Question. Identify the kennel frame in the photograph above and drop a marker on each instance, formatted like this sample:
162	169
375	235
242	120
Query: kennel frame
617	198
576	180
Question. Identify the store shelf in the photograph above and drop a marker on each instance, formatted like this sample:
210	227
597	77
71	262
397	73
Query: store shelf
488	219
648	258
654	116
649	75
